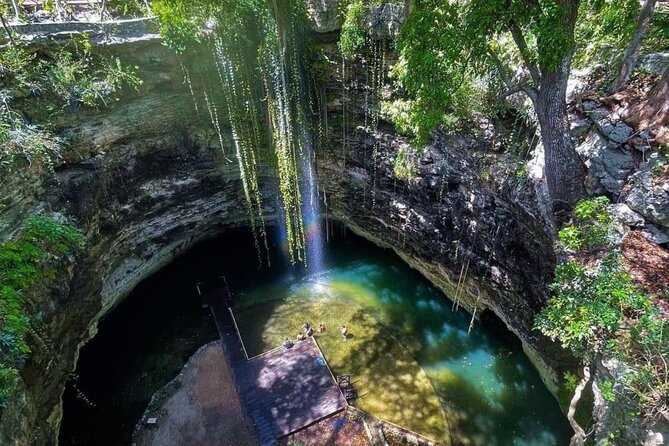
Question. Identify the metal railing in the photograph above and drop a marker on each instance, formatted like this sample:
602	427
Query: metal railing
239	333
70	10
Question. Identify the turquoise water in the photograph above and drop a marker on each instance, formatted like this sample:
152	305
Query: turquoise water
491	393
489	390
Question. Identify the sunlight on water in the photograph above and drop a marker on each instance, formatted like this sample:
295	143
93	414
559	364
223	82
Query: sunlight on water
409	347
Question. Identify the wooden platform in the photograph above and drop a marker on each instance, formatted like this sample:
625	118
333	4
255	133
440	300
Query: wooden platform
283	390
286	390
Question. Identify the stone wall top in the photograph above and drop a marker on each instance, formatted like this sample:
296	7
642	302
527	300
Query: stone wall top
102	33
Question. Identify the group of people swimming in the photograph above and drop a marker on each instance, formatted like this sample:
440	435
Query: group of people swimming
308	331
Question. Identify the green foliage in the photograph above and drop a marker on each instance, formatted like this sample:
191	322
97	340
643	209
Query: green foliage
587	307
605	28
596	310
257	59
23	263
8	377
431	69
591	227
606	388
571	381
127	8
410	118
353	28
603	31
570	236
657	38
48	81
404	166
646	348
450	50
178	27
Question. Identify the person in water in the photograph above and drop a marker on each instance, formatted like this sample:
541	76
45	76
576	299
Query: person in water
344	332
321	327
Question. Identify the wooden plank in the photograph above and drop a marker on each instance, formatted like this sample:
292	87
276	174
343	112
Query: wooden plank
284	390
292	388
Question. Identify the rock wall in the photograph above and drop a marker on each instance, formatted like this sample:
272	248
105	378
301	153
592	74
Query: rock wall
145	182
147	179
488	249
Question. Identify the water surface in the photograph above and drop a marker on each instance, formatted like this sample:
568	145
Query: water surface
411	354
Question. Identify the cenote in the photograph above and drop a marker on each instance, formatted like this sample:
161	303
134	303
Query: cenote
410	354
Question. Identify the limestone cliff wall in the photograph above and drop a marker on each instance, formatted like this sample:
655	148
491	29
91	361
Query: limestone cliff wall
147	179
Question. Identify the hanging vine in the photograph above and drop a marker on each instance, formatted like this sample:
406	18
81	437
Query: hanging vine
251	40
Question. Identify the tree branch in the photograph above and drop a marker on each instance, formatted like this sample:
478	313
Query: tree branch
513	87
7	30
631	54
518	37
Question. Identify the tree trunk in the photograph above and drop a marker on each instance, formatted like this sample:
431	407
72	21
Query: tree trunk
579	434
406	10
642	24
7	30
59	10
103	9
17	10
564	170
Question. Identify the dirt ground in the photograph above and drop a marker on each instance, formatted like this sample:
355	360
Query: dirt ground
204	410
649	265
337	430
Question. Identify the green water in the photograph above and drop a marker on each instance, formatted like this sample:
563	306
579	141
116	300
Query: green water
410	355
489	392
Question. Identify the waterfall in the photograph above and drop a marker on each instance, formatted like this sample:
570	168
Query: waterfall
259	76
288	101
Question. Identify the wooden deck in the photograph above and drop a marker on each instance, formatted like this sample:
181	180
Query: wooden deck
289	389
283	390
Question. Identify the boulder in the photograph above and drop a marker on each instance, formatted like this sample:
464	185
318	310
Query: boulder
656	234
577	84
646	196
384	21
608	168
579	126
595	111
617	132
626	215
323	15
654	63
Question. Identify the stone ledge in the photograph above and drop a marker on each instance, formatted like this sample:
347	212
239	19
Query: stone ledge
102	33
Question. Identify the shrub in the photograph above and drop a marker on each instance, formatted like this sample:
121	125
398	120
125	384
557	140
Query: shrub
596	310
46	82
591	226
24	263
353	28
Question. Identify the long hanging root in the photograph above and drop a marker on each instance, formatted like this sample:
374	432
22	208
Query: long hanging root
461	285
579	434
476	307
